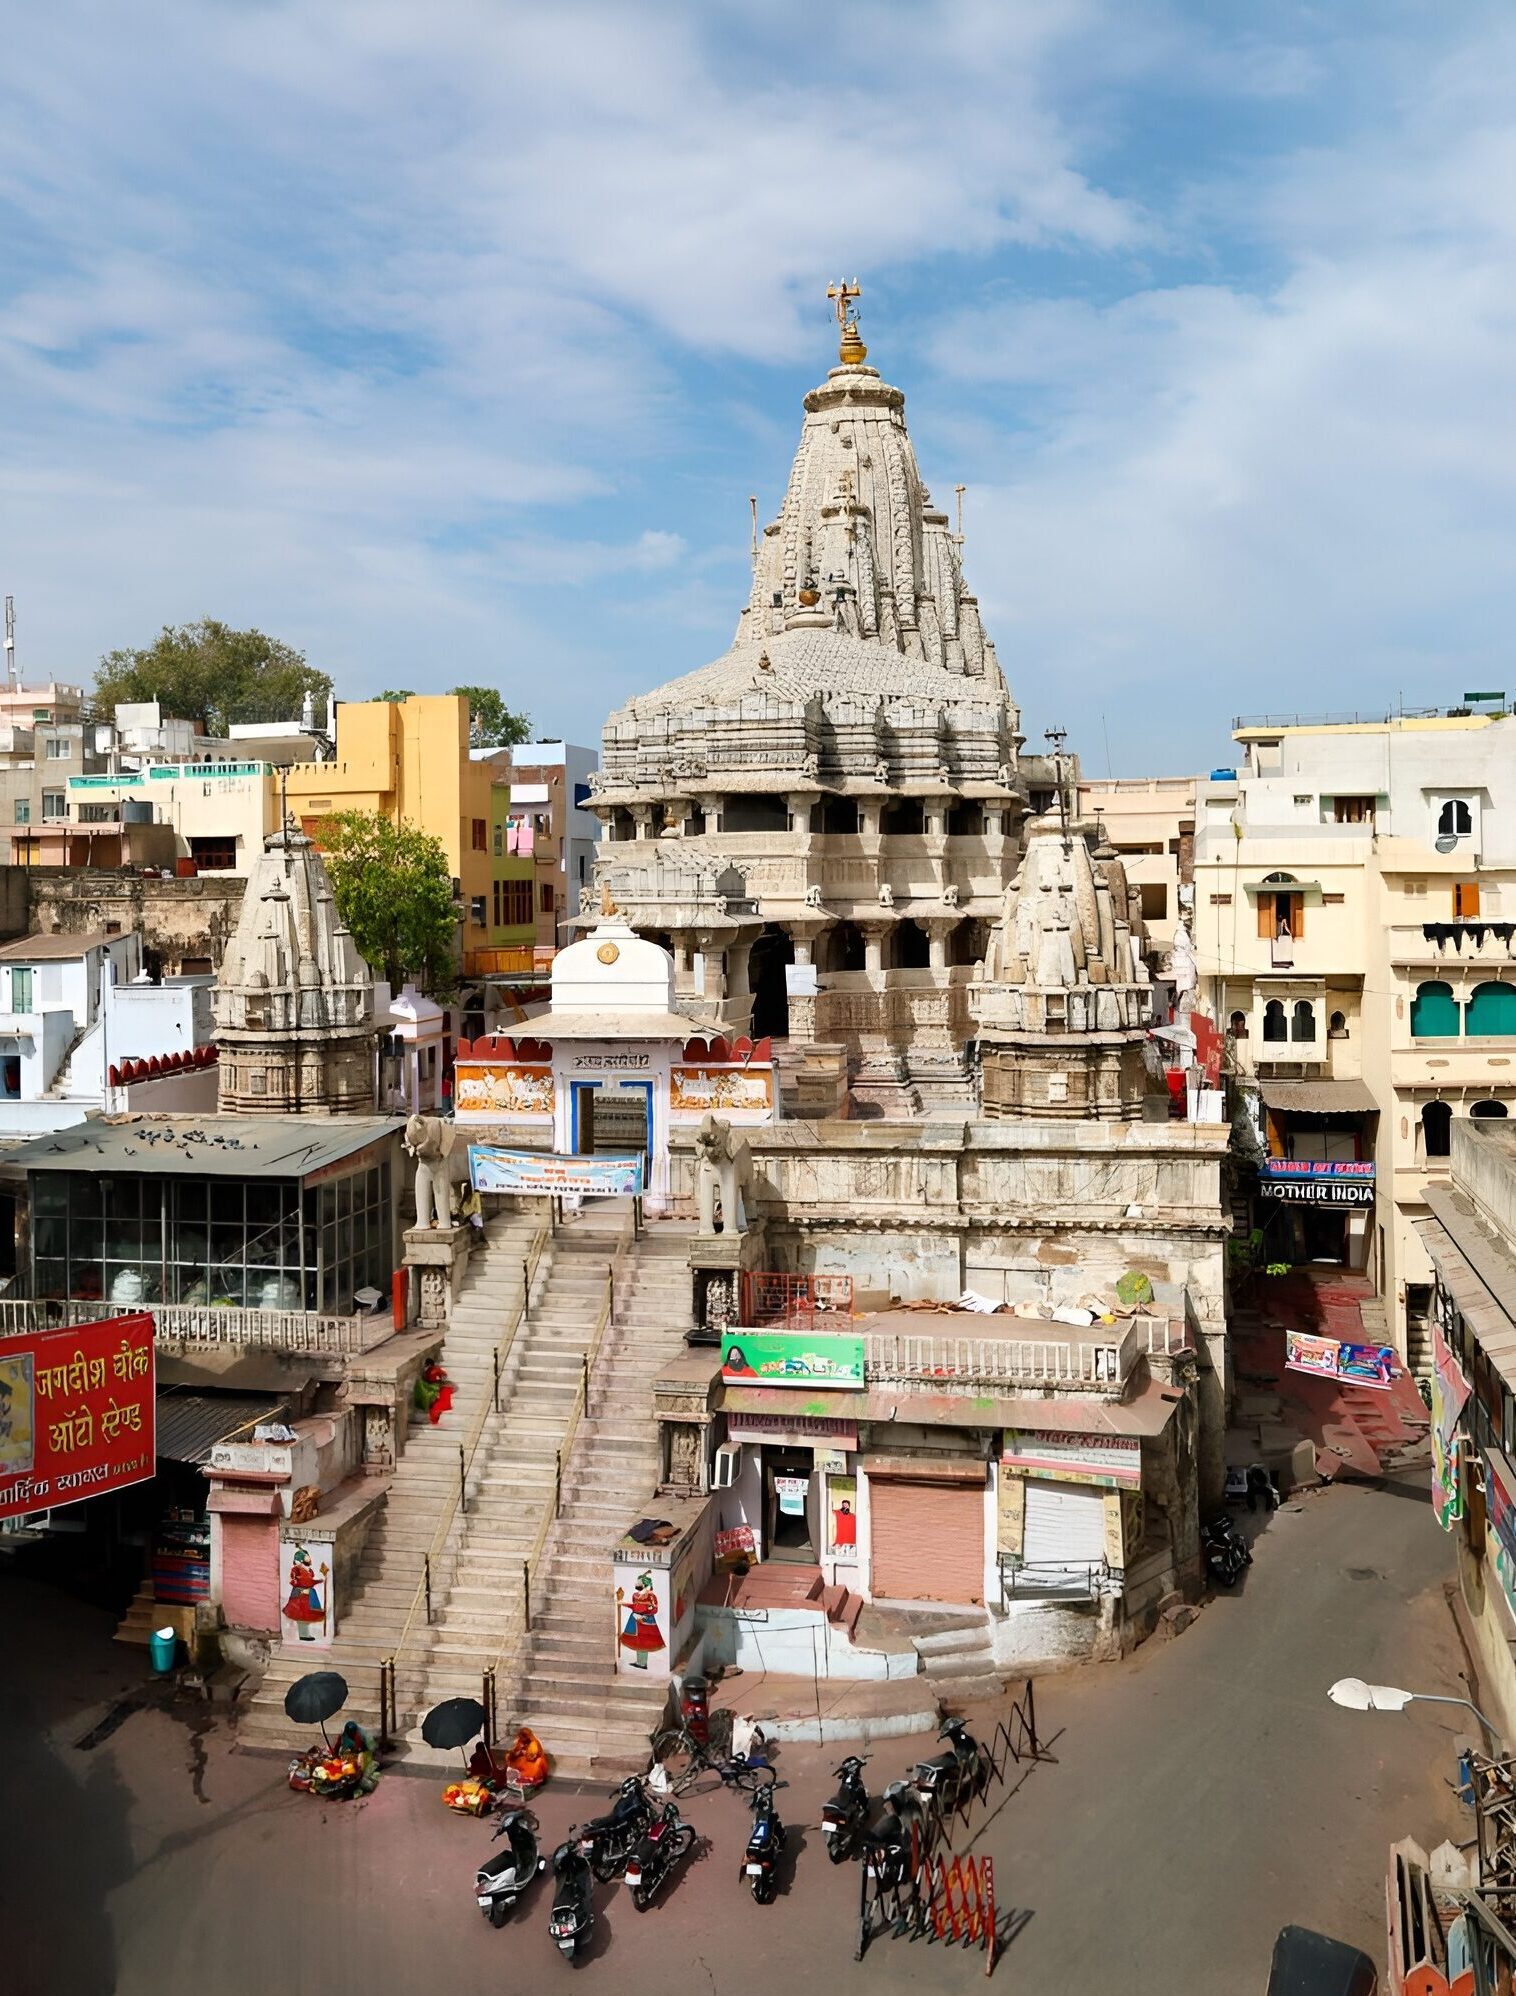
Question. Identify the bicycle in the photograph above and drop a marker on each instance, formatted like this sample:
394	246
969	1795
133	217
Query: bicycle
677	1743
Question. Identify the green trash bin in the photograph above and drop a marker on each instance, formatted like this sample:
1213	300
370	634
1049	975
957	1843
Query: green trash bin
162	1648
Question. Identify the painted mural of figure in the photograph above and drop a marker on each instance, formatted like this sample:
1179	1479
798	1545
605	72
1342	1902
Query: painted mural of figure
307	1604
844	1525
641	1634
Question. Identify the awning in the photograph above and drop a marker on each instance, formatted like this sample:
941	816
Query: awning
1319	1098
1476	1278
191	1424
1146	1413
926	1469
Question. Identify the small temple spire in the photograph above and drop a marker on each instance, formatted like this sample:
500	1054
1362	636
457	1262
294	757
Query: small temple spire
850	348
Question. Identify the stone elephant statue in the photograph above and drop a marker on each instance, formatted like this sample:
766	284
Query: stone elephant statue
430	1140
724	1174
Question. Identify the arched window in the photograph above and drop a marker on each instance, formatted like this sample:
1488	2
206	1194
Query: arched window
1303	1020
1492	1010
1436	1119
1337	1026
1490	1108
908	947
1237	1025
1434	1012
1455	820
1274	1027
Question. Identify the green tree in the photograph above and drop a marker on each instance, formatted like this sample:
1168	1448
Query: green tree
209	673
394	891
491	724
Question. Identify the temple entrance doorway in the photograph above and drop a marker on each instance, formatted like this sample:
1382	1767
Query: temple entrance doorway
771	956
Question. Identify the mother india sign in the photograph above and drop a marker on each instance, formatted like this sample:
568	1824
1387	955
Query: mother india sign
76	1413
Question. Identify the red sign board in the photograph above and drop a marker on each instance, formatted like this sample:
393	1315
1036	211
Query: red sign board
76	1413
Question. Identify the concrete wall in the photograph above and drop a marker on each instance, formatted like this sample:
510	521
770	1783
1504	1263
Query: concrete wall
176	919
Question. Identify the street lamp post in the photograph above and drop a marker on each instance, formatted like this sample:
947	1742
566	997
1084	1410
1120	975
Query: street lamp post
1357	1696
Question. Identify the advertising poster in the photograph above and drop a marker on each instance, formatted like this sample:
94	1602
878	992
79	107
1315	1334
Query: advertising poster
842	1516
792	1358
791	1492
1500	1505
1450	1393
735	1546
1349	1365
494	1169
76	1413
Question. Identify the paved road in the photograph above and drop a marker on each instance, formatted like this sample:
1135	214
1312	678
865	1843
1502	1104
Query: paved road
1205	1793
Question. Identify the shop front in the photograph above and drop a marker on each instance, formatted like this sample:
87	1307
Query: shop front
1315	1198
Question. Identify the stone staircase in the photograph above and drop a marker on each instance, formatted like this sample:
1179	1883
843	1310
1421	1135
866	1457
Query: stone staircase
420	1493
563	1680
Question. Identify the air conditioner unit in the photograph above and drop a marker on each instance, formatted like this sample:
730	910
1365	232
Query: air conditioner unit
725	1468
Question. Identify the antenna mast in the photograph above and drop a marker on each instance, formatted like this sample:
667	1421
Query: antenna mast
752	500
10	641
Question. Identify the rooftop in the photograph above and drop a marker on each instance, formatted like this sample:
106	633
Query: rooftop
207	1146
54	949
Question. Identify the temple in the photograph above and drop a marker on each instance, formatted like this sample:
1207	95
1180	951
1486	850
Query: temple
821	824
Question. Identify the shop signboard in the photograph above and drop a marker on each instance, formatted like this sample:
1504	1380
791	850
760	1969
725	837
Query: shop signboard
1500	1507
1349	1365
1112	1461
792	1492
76	1413
736	1545
793	1430
792	1358
1450	1393
1318	1181
539	1172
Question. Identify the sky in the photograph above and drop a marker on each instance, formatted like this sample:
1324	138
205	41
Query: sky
447	342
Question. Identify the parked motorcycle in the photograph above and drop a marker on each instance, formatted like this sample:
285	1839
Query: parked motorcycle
966	1765
887	1846
1226	1550
765	1847
662	1844
503	1877
607	1841
573	1911
845	1819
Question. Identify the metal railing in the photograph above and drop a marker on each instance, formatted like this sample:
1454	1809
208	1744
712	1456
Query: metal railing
421	1600
508	960
1375	717
935	1361
207	1324
1054	1580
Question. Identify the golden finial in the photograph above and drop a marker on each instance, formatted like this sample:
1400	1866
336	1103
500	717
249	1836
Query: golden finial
850	348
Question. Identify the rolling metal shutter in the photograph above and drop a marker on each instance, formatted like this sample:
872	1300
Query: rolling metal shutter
1065	1524
926	1540
250	1572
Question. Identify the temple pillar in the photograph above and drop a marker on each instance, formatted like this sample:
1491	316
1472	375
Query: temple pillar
874	934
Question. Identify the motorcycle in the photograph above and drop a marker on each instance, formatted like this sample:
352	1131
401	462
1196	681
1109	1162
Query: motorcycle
660	1847
966	1764
765	1847
573	1911
502	1878
1226	1550
608	1840
887	1848
845	1819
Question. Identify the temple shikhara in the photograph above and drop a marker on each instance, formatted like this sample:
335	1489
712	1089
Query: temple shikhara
822	823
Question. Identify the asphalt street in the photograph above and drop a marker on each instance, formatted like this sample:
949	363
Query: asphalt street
1204	1794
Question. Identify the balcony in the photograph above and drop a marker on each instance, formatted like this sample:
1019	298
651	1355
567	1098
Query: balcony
1468	941
1097	1359
514	960
209	1326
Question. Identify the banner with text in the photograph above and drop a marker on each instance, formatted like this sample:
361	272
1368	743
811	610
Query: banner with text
1112	1461
1350	1365
792	1358
1450	1393
493	1169
76	1413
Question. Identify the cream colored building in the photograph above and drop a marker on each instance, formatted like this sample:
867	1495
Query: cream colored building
220	812
1149	821
1355	891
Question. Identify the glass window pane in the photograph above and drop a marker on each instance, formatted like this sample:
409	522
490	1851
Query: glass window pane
50	1192
51	1278
49	1237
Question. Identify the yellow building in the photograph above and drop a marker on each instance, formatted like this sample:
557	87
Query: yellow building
408	761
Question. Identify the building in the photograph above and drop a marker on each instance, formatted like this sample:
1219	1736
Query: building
1350	882
1469	1236
1149	822
820	823
408	761
295	1019
550	786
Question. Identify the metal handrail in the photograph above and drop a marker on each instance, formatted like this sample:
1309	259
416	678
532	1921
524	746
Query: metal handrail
468	1449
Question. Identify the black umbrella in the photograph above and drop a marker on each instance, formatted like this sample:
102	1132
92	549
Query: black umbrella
453	1723
312	1699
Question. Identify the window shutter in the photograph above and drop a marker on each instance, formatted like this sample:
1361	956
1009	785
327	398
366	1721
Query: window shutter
1297	915
1266	916
1466	898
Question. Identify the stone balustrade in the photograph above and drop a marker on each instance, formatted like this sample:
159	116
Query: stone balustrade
207	1325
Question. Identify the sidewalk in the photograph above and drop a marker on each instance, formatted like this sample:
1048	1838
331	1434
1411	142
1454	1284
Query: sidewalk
820	1711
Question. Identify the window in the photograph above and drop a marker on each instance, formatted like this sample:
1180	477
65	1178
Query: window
495	905
476	910
1155	900
54	804
1337	1026
97	814
1465	900
1333	900
480	835
214	855
1455	820
23	810
1221	900
21	990
1434	1012
1303	1020
1485	1109
518	903
1352	810
1273	1020
59	748
1492	1011
499	844
902	818
1237	1025
1281	911
547	899
1436	1121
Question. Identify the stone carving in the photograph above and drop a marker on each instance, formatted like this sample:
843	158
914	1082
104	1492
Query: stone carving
950	896
723	1172
686	1455
813	897
430	1140
720	1302
886	895
881	771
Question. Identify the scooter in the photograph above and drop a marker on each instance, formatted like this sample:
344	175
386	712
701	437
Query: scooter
573	1911
1226	1550
608	1840
765	1847
665	1840
845	1819
501	1879
887	1848
964	1765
